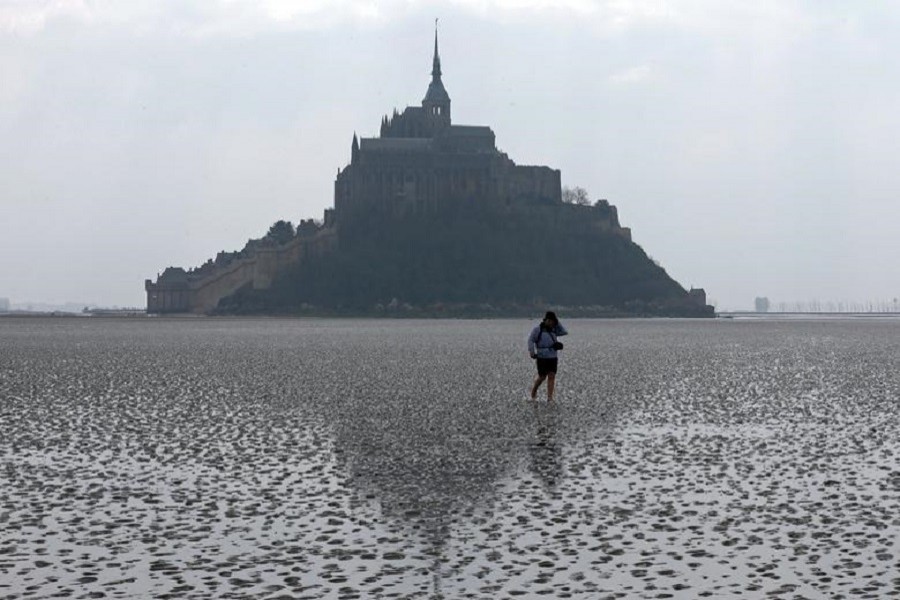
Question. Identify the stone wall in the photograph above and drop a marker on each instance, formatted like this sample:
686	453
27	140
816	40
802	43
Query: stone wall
201	293
535	182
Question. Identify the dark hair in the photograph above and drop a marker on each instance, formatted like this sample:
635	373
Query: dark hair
551	315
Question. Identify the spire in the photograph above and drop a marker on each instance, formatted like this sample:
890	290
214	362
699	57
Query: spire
437	100
354	149
436	63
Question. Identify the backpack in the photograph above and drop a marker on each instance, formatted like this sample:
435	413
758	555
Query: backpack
556	345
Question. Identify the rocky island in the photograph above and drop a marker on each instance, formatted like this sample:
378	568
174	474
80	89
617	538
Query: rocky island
431	219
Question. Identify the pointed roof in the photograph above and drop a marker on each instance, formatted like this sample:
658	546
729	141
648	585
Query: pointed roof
436	61
436	93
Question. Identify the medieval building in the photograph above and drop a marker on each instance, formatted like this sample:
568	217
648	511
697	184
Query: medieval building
422	161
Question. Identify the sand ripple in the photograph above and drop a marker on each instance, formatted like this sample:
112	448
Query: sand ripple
375	459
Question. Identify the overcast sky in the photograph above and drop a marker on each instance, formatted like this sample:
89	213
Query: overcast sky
752	147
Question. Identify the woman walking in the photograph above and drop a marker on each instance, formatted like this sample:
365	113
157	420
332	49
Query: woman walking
543	346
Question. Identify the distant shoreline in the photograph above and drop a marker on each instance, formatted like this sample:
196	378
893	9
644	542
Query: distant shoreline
737	315
24	314
795	315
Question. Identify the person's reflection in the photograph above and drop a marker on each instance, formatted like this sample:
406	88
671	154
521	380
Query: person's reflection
544	451
438	552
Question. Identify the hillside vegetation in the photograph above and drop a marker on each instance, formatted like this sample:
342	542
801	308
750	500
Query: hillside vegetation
475	262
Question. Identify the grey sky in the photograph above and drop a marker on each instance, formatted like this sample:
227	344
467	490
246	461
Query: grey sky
751	147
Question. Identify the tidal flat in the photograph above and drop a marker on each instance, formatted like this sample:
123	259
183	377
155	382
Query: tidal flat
280	458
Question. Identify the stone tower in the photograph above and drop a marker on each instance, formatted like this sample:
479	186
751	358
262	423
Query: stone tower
437	101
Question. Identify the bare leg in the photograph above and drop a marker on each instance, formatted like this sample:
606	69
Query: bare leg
537	383
551	383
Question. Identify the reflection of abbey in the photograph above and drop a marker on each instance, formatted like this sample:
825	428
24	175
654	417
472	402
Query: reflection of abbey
420	163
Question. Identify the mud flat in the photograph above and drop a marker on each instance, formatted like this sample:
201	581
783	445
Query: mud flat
381	459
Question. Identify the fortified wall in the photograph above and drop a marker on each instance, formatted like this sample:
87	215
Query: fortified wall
199	290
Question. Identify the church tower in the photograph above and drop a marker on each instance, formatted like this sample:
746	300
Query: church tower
437	101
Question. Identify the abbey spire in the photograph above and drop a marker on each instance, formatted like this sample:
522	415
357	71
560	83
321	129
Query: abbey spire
436	62
437	101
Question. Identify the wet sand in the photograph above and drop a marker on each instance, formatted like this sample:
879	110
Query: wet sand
401	459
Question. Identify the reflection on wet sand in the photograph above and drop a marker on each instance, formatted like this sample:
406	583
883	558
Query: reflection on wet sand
288	459
544	452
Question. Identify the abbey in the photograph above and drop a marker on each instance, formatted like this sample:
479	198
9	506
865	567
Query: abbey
423	162
431	216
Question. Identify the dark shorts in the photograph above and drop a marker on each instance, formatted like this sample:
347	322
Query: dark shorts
546	365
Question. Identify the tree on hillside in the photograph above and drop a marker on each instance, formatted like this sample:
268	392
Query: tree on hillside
575	195
281	232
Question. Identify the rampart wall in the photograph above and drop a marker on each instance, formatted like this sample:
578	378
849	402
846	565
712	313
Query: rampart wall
535	182
201	294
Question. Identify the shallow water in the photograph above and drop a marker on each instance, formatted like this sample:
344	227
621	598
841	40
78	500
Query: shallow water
401	459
